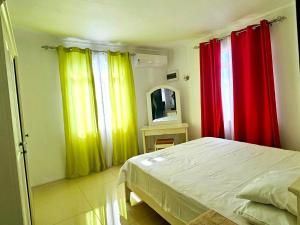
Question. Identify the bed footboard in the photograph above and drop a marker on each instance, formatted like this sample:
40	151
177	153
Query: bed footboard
127	193
295	189
150	202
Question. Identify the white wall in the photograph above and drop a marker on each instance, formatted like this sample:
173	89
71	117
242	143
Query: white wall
287	78
186	60
144	80
42	106
286	71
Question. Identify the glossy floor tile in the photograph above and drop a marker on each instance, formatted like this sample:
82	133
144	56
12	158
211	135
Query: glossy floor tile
92	200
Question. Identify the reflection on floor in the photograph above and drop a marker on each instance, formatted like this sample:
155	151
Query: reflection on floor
91	200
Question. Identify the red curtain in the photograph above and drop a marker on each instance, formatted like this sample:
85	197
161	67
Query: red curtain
255	116
210	82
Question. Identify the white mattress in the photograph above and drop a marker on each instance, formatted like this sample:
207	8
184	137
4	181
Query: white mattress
187	179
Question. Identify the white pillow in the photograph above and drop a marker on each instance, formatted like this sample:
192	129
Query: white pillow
272	188
261	214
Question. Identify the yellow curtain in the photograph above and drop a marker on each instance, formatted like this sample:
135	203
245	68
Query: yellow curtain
83	141
123	105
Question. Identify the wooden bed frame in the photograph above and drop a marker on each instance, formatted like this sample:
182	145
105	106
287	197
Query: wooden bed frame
149	201
294	188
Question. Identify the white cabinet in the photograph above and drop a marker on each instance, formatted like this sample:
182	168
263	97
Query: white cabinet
14	187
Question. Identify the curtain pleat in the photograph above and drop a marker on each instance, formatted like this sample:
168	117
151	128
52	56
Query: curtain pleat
123	107
84	152
210	82
255	116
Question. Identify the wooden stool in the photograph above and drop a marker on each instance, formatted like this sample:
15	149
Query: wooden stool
211	218
163	143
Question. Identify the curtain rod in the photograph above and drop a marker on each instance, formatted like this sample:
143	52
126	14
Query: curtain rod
276	20
47	47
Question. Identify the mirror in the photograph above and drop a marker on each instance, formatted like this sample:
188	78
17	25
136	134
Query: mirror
163	105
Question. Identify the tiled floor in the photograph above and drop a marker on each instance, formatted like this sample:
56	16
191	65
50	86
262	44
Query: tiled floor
92	200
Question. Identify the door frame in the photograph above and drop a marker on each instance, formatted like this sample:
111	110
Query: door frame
24	136
11	210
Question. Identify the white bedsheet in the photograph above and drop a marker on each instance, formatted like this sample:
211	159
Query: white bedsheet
187	179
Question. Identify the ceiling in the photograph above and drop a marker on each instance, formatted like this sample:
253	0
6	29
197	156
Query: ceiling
135	22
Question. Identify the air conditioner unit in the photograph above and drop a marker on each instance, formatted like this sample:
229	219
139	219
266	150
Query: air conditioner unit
145	60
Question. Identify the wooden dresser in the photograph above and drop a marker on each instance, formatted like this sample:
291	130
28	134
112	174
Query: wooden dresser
156	130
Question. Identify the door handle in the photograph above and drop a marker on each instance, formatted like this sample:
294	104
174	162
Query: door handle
23	151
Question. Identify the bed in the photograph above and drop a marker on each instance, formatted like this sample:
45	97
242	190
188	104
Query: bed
186	180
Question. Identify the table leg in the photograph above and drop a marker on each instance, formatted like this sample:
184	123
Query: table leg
186	135
144	143
127	193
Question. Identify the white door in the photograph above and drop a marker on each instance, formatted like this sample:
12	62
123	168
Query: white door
19	137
